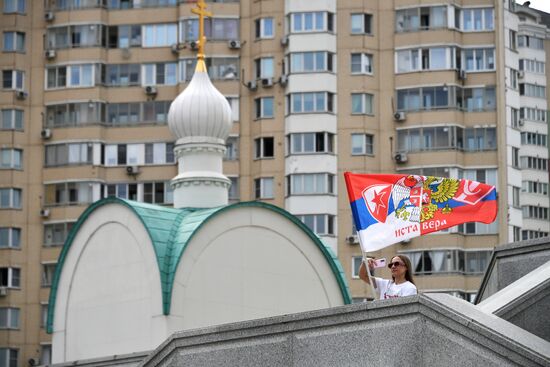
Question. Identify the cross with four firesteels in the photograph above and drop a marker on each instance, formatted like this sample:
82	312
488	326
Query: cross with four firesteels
201	12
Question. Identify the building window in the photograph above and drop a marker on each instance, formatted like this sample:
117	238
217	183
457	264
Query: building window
159	35
515	196
232	148
76	36
361	104
534	163
43	315
361	23
219	68
321	224
311	143
10	198
312	22
10	237
234	192
48	271
532	66
264	107
9	318
122	75
14	6
515	157
512	35
45	354
311	62
479	59
532	90
9	357
10	277
415	19
234	104
69	193
162	73
477	19
124	36
129	4
72	76
311	102
531	42
158	193
13	79
263	188
529	235
264	67
310	184
11	158
449	261
264	148
433	58
361	63
158	153
355	265
14	42
533	114
55	234
68	154
535	212
264	28
12	119
514	117
362	144
517	233
537	139
446	137
535	187
215	29
122	191
478	139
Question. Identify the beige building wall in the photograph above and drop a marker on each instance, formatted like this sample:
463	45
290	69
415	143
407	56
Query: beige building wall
381	43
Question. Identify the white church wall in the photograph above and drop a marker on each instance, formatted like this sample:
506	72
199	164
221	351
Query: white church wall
249	263
109	290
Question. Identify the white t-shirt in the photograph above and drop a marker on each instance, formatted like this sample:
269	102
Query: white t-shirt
388	289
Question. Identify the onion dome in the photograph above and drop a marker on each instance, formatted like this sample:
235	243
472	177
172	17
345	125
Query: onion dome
200	113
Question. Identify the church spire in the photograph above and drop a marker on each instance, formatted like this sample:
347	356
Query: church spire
200	117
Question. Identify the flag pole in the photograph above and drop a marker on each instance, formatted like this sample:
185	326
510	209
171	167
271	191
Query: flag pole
371	280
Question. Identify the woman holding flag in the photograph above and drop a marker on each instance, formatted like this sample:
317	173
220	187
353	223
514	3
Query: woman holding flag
401	284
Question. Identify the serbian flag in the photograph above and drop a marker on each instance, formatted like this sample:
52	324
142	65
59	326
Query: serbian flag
391	208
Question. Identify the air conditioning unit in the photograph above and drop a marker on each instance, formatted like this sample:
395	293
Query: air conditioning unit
175	49
132	170
352	240
194	45
284	41
3	291
34	362
401	158
49	54
49	16
462	74
234	44
400	116
284	80
267	82
21	94
150	90
252	85
521	122
125	53
44	213
46	133
521	74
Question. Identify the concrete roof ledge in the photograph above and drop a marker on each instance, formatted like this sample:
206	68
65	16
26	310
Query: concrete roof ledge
428	329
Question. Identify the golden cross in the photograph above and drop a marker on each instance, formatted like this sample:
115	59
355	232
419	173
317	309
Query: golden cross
201	12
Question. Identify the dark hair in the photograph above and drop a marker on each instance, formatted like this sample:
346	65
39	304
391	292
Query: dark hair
408	273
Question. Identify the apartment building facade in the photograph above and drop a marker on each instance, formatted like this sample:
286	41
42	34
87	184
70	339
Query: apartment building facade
449	88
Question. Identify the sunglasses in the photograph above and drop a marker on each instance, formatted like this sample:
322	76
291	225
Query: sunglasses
396	264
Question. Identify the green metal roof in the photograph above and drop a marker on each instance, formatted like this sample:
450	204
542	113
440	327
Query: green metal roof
170	230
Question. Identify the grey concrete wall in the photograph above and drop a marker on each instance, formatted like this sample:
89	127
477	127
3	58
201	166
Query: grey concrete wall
425	330
512	261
